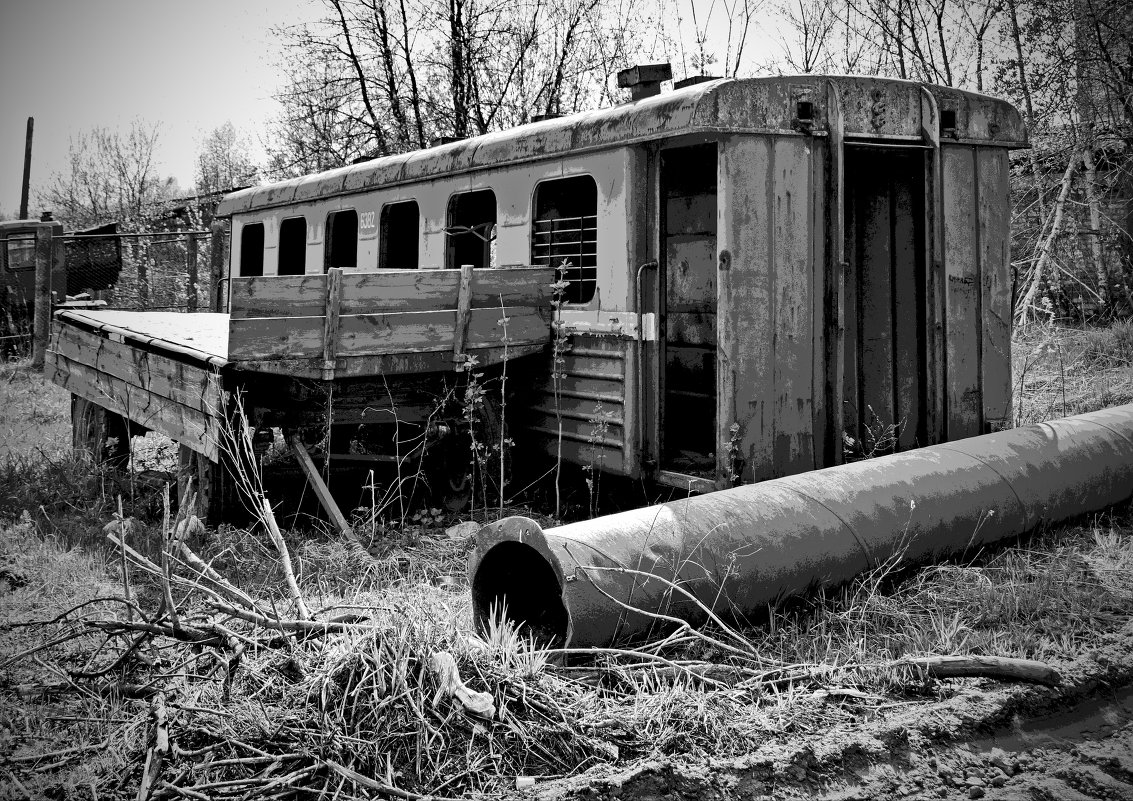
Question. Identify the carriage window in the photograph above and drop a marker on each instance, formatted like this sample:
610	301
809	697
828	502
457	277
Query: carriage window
342	239
252	249
293	246
471	228
564	233
20	252
400	233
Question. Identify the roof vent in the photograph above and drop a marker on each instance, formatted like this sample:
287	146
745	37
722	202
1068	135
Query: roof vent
545	117
47	216
644	80
437	141
692	80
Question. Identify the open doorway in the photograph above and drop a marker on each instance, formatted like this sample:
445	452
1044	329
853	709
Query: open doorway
885	397
688	310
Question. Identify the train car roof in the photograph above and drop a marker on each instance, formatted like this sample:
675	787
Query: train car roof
872	109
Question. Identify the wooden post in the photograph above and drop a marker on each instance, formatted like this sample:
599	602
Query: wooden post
191	269
337	518
330	324
41	322
463	312
217	252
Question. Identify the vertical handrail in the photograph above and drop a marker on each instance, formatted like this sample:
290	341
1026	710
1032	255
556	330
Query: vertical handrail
834	301
934	272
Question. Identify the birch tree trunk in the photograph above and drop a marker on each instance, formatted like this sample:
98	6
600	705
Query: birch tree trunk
1042	252
1101	266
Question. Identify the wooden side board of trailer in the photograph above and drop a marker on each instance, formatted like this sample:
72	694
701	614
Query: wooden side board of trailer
151	388
392	321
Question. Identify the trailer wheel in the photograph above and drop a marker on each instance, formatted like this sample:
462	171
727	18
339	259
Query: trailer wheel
217	499
102	433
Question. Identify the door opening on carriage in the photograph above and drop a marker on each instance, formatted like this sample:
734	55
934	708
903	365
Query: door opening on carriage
885	393
687	331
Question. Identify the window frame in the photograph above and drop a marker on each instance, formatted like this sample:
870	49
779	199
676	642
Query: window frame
244	228
451	261
587	272
330	240
383	239
303	251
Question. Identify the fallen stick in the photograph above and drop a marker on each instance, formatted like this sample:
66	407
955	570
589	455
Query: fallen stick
992	667
366	781
156	756
268	517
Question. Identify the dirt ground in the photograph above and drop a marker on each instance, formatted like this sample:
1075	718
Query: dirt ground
985	739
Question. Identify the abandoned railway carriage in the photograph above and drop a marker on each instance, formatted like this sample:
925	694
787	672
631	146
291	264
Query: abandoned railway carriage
760	276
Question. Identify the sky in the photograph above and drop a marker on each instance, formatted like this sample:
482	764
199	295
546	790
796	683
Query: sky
190	66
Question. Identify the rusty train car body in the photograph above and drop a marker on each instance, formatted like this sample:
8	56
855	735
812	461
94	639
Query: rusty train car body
755	275
778	255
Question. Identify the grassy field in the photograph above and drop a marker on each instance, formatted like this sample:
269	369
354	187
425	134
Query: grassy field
236	680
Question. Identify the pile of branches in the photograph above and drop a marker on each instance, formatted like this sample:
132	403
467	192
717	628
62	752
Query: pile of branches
238	697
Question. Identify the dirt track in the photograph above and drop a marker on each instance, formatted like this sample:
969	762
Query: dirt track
985	740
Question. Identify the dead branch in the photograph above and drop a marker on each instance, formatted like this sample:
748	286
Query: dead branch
992	667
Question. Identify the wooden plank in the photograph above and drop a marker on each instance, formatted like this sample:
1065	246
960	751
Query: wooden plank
875	291
265	338
793	447
186	384
389	364
907	282
331	322
180	423
463	312
388	291
995	283
961	300
322	492
278	296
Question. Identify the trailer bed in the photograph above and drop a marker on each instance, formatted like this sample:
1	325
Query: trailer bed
200	336
160	370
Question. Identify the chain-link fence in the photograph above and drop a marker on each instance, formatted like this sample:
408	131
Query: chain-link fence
152	271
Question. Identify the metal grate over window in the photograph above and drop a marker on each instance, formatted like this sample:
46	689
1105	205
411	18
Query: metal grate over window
565	234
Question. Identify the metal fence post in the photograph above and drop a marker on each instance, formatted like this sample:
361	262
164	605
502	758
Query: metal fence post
217	253
41	321
191	269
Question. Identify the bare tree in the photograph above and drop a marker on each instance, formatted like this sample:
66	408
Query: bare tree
110	177
224	161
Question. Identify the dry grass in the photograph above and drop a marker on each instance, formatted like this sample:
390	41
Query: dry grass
1066	371
345	713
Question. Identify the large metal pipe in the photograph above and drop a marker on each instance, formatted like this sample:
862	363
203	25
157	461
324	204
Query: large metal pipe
741	549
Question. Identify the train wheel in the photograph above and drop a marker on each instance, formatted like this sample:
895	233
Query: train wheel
102	433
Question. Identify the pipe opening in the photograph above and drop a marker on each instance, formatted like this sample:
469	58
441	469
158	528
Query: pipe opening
517	578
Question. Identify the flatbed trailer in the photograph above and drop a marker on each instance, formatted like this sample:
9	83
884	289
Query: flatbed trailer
377	349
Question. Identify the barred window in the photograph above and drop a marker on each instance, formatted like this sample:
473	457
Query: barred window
293	246
564	233
252	249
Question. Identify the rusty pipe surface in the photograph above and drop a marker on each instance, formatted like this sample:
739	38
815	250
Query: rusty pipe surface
739	550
